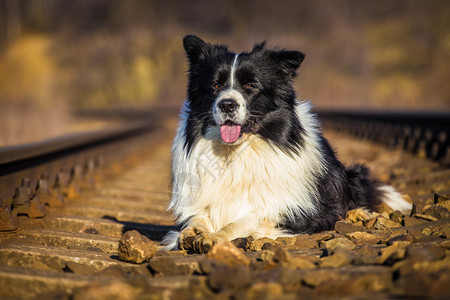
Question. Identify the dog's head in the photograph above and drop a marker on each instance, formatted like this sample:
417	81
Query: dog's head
240	94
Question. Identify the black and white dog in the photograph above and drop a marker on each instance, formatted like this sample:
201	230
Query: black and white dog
250	159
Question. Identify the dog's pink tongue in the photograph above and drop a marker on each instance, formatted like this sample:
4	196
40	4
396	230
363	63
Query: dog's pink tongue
230	133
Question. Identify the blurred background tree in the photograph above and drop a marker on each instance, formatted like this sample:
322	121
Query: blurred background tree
57	57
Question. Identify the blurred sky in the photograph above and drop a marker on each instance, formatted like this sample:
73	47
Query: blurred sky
60	56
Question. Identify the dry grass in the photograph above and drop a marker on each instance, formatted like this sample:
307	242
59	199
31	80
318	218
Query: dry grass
33	107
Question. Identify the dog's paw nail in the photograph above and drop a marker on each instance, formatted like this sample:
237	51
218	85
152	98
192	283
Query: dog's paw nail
206	248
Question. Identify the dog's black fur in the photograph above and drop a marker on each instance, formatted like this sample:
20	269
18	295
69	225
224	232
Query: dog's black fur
265	79
271	102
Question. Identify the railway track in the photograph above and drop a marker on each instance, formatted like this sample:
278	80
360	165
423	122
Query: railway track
65	204
423	133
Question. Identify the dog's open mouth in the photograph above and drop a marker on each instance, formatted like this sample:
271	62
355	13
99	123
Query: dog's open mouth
230	132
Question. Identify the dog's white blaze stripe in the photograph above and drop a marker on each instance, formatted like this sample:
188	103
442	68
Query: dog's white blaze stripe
231	93
233	70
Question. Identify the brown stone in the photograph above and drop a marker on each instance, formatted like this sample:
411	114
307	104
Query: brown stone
406	237
304	241
340	257
441	230
359	285
424	217
370	223
198	289
256	245
411	221
396	216
207	265
440	287
267	255
315	277
429	239
427	279
78	268
414	285
240	243
384	208
416	233
325	276
385	215
300	263
290	278
438	212
115	290
172	253
135	247
344	227
366	250
120	271
384	224
365	255
445	204
338	243
229	254
322	236
425	252
281	255
250	240
392	253
363	238
278	254
268	246
165	265
445	244
264	290
403	267
225	277
432	266
286	241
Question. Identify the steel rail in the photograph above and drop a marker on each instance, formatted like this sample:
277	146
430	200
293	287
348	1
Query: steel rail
15	158
36	175
425	133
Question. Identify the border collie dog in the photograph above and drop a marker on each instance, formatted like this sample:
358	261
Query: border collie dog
249	158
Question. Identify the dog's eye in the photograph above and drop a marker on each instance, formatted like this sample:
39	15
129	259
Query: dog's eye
250	86
216	86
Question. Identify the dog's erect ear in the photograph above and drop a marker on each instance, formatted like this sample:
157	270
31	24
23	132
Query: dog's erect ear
259	47
194	47
289	60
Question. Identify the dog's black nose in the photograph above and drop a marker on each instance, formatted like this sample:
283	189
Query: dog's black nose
227	105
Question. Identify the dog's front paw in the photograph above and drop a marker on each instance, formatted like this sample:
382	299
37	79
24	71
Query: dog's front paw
187	237
204	242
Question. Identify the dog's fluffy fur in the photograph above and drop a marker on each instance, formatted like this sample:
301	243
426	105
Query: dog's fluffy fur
249	158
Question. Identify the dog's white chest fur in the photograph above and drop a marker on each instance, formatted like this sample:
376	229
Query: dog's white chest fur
253	180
